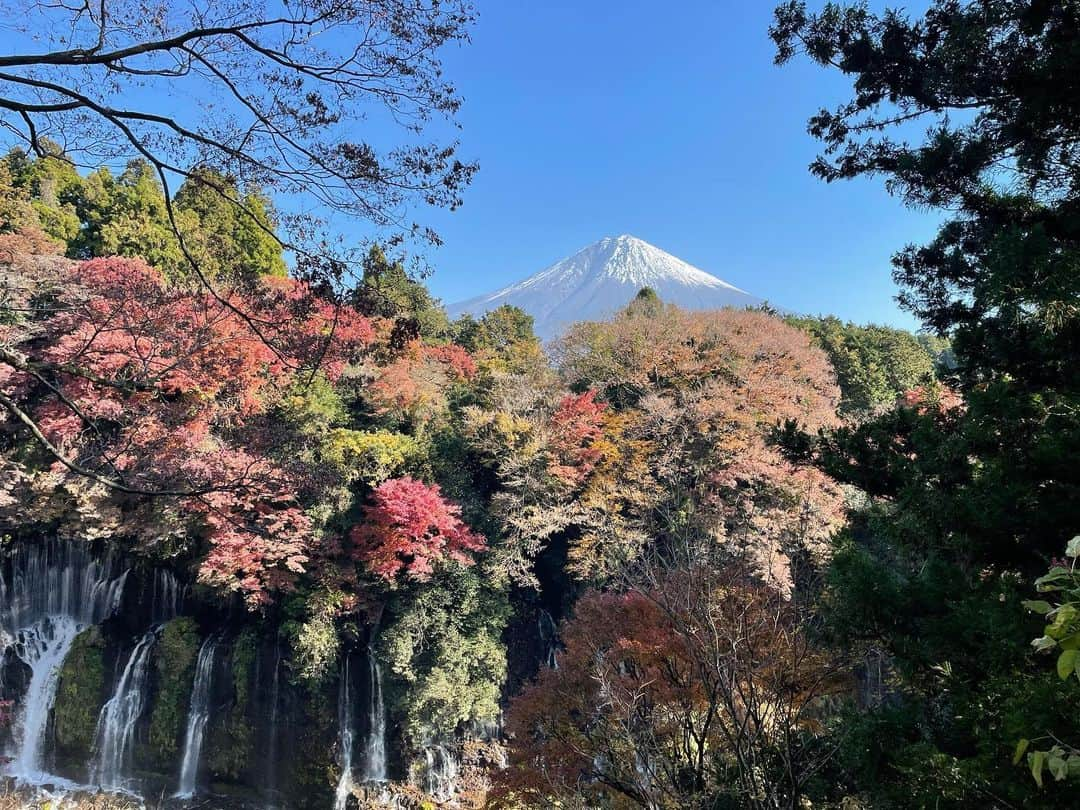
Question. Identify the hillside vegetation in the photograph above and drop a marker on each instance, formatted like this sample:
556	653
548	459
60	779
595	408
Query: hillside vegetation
719	559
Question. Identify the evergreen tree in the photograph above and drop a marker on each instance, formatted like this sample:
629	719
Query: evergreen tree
970	496
51	185
387	291
231	230
125	215
874	364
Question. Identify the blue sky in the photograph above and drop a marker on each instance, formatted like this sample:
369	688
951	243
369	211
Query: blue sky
671	123
593	118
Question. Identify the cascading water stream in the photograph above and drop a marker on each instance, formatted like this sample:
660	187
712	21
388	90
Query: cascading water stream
346	733
43	648
272	737
549	637
440	772
198	715
48	594
116	724
375	748
166	596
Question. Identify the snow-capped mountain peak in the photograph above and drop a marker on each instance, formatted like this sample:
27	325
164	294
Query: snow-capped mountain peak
602	278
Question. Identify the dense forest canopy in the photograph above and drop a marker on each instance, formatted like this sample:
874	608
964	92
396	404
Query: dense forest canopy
973	501
674	559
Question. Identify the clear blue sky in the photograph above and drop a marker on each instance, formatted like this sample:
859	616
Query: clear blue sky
670	122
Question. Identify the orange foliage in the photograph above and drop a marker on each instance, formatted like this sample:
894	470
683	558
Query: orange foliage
697	395
656	687
414	383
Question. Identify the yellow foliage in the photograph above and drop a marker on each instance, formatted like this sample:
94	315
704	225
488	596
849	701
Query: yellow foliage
371	457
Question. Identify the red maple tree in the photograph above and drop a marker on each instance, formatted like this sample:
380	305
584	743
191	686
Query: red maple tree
576	424
146	388
410	527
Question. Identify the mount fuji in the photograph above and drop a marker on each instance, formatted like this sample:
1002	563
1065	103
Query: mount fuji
602	278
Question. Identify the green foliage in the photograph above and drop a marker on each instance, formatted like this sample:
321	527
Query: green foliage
314	769
313	406
313	636
444	649
80	694
981	494
229	229
505	332
16	210
647	302
372	456
1061	637
874	364
387	291
232	735
174	667
126	216
51	186
245	650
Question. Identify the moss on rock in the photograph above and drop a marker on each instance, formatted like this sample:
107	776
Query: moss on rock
80	695
232	741
174	664
313	770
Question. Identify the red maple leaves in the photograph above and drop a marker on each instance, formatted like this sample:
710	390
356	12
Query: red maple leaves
157	388
575	425
409	528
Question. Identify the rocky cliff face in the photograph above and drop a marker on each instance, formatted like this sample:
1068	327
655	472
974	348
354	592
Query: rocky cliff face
120	675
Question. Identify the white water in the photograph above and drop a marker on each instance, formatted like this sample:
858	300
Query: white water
59	579
440	772
375	748
198	715
50	592
167	596
43	647
116	724
549	636
272	742
346	733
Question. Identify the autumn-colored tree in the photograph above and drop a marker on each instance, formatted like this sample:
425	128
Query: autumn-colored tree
409	528
513	432
695	397
412	384
575	426
693	687
141	388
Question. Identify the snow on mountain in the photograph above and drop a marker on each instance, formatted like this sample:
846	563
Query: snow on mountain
601	279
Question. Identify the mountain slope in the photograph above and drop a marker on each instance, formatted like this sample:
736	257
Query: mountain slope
602	278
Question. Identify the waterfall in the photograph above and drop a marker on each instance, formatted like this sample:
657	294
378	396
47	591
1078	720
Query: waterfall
440	772
346	732
43	648
116	724
272	737
166	597
549	636
375	748
49	592
198	715
58	579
